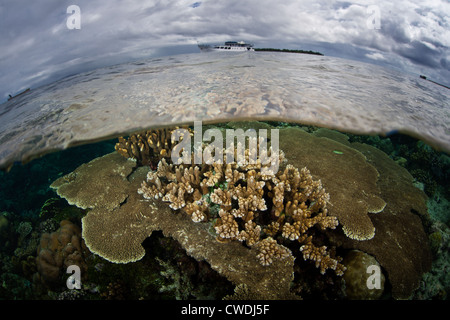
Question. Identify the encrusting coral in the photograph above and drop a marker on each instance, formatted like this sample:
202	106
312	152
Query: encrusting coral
250	201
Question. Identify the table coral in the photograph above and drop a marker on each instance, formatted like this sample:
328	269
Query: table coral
117	233
349	179
249	202
399	242
72	186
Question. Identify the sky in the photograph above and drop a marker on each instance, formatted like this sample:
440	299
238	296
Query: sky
46	40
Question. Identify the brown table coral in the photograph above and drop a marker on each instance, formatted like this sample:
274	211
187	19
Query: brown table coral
354	175
117	233
347	177
356	182
255	207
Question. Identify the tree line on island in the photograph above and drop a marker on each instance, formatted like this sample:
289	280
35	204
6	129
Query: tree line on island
289	50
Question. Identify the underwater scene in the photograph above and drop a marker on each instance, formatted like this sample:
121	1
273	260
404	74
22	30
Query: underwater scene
339	204
256	176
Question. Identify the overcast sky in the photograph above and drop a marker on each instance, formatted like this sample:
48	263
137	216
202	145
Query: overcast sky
38	47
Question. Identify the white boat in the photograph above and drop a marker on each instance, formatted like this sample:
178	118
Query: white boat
229	46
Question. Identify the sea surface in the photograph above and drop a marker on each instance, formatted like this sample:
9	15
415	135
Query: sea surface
318	90
49	132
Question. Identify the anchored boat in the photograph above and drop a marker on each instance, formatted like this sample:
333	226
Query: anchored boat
228	46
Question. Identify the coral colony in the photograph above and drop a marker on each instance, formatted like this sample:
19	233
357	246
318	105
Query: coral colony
244	193
252	204
215	152
149	147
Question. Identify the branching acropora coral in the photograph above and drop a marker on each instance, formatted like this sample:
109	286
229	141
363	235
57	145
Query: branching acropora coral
261	210
148	147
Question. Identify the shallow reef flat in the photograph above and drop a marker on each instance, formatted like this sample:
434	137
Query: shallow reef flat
141	227
128	98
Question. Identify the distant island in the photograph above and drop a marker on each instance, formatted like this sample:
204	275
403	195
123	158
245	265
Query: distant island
289	50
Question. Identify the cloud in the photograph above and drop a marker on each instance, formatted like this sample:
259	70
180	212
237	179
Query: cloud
37	47
376	56
196	4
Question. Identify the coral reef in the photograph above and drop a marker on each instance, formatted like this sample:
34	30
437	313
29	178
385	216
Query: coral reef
358	178
118	233
26	246
356	276
435	284
157	275
3	222
250	201
14	287
399	236
59	250
23	229
148	147
439	207
179	283
50	208
116	290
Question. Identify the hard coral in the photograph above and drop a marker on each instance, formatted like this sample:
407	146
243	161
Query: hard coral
72	186
250	201
59	250
148	147
356	276
120	220
349	179
117	233
399	242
